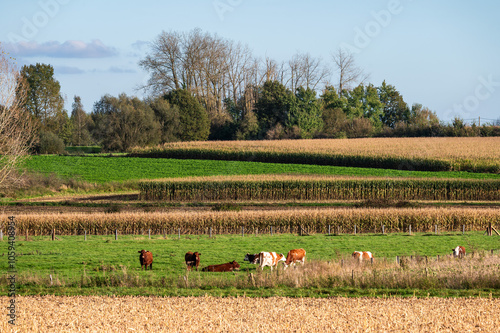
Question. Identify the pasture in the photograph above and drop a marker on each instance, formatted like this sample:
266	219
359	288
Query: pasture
72	265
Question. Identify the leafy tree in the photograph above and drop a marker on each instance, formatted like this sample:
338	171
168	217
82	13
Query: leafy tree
331	99
168	117
335	123
124	122
395	108
80	121
363	102
305	113
194	122
43	99
273	105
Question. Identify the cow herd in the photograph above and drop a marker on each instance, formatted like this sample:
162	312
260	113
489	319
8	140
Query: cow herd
263	259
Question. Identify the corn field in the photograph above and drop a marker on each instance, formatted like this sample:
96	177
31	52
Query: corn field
335	189
243	314
426	154
282	221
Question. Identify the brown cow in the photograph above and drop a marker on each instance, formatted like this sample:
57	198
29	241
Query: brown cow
146	259
362	255
459	252
192	260
229	267
293	256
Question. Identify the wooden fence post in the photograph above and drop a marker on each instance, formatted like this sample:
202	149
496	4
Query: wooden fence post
329	230
1	235
271	230
436	229
409	229
179	233
242	231
149	233
383	229
85	235
26	234
256	231
210	232
116	234
355	229
463	229
397	260
53	234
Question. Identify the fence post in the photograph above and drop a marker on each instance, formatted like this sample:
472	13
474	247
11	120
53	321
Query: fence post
338	230
329	230
1	235
179	233
26	234
85	234
210	232
463	229
116	234
149	233
383	229
397	260
256	231
436	229
271	230
53	234
242	231
355	229
409	229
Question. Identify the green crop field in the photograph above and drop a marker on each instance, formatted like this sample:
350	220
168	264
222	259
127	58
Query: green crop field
102	169
102	264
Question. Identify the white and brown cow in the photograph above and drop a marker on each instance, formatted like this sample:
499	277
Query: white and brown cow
459	252
293	256
270	259
362	255
252	258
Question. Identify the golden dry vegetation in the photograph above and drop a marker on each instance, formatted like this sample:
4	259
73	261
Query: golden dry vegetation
472	148
313	219
242	314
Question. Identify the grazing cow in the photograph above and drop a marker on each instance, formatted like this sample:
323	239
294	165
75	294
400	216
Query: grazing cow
459	251
365	255
229	267
293	256
252	258
146	259
192	260
270	259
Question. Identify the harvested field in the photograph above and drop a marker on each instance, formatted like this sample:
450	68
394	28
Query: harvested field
210	314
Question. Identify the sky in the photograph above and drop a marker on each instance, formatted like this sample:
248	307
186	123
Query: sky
441	54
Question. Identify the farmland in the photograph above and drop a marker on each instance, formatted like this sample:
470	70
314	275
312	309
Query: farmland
210	314
74	265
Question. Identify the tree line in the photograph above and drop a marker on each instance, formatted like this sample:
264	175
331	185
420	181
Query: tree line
205	87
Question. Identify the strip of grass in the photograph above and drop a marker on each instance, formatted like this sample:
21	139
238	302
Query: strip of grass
107	169
105	263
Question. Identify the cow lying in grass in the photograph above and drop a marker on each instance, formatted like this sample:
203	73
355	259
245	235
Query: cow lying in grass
459	252
252	258
362	255
146	259
229	267
270	259
293	256
192	260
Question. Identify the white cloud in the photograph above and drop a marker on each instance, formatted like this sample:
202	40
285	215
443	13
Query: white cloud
68	49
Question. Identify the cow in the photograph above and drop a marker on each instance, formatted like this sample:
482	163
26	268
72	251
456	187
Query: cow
192	260
293	256
146	259
459	252
252	258
270	259
229	267
364	255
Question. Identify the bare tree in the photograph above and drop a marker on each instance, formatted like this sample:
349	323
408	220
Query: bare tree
349	73
16	125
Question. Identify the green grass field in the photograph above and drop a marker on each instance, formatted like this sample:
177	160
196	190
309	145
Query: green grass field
102	169
111	266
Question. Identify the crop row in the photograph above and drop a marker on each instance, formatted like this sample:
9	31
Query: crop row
339	189
343	220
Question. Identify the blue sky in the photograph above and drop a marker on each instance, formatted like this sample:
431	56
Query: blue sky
442	54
